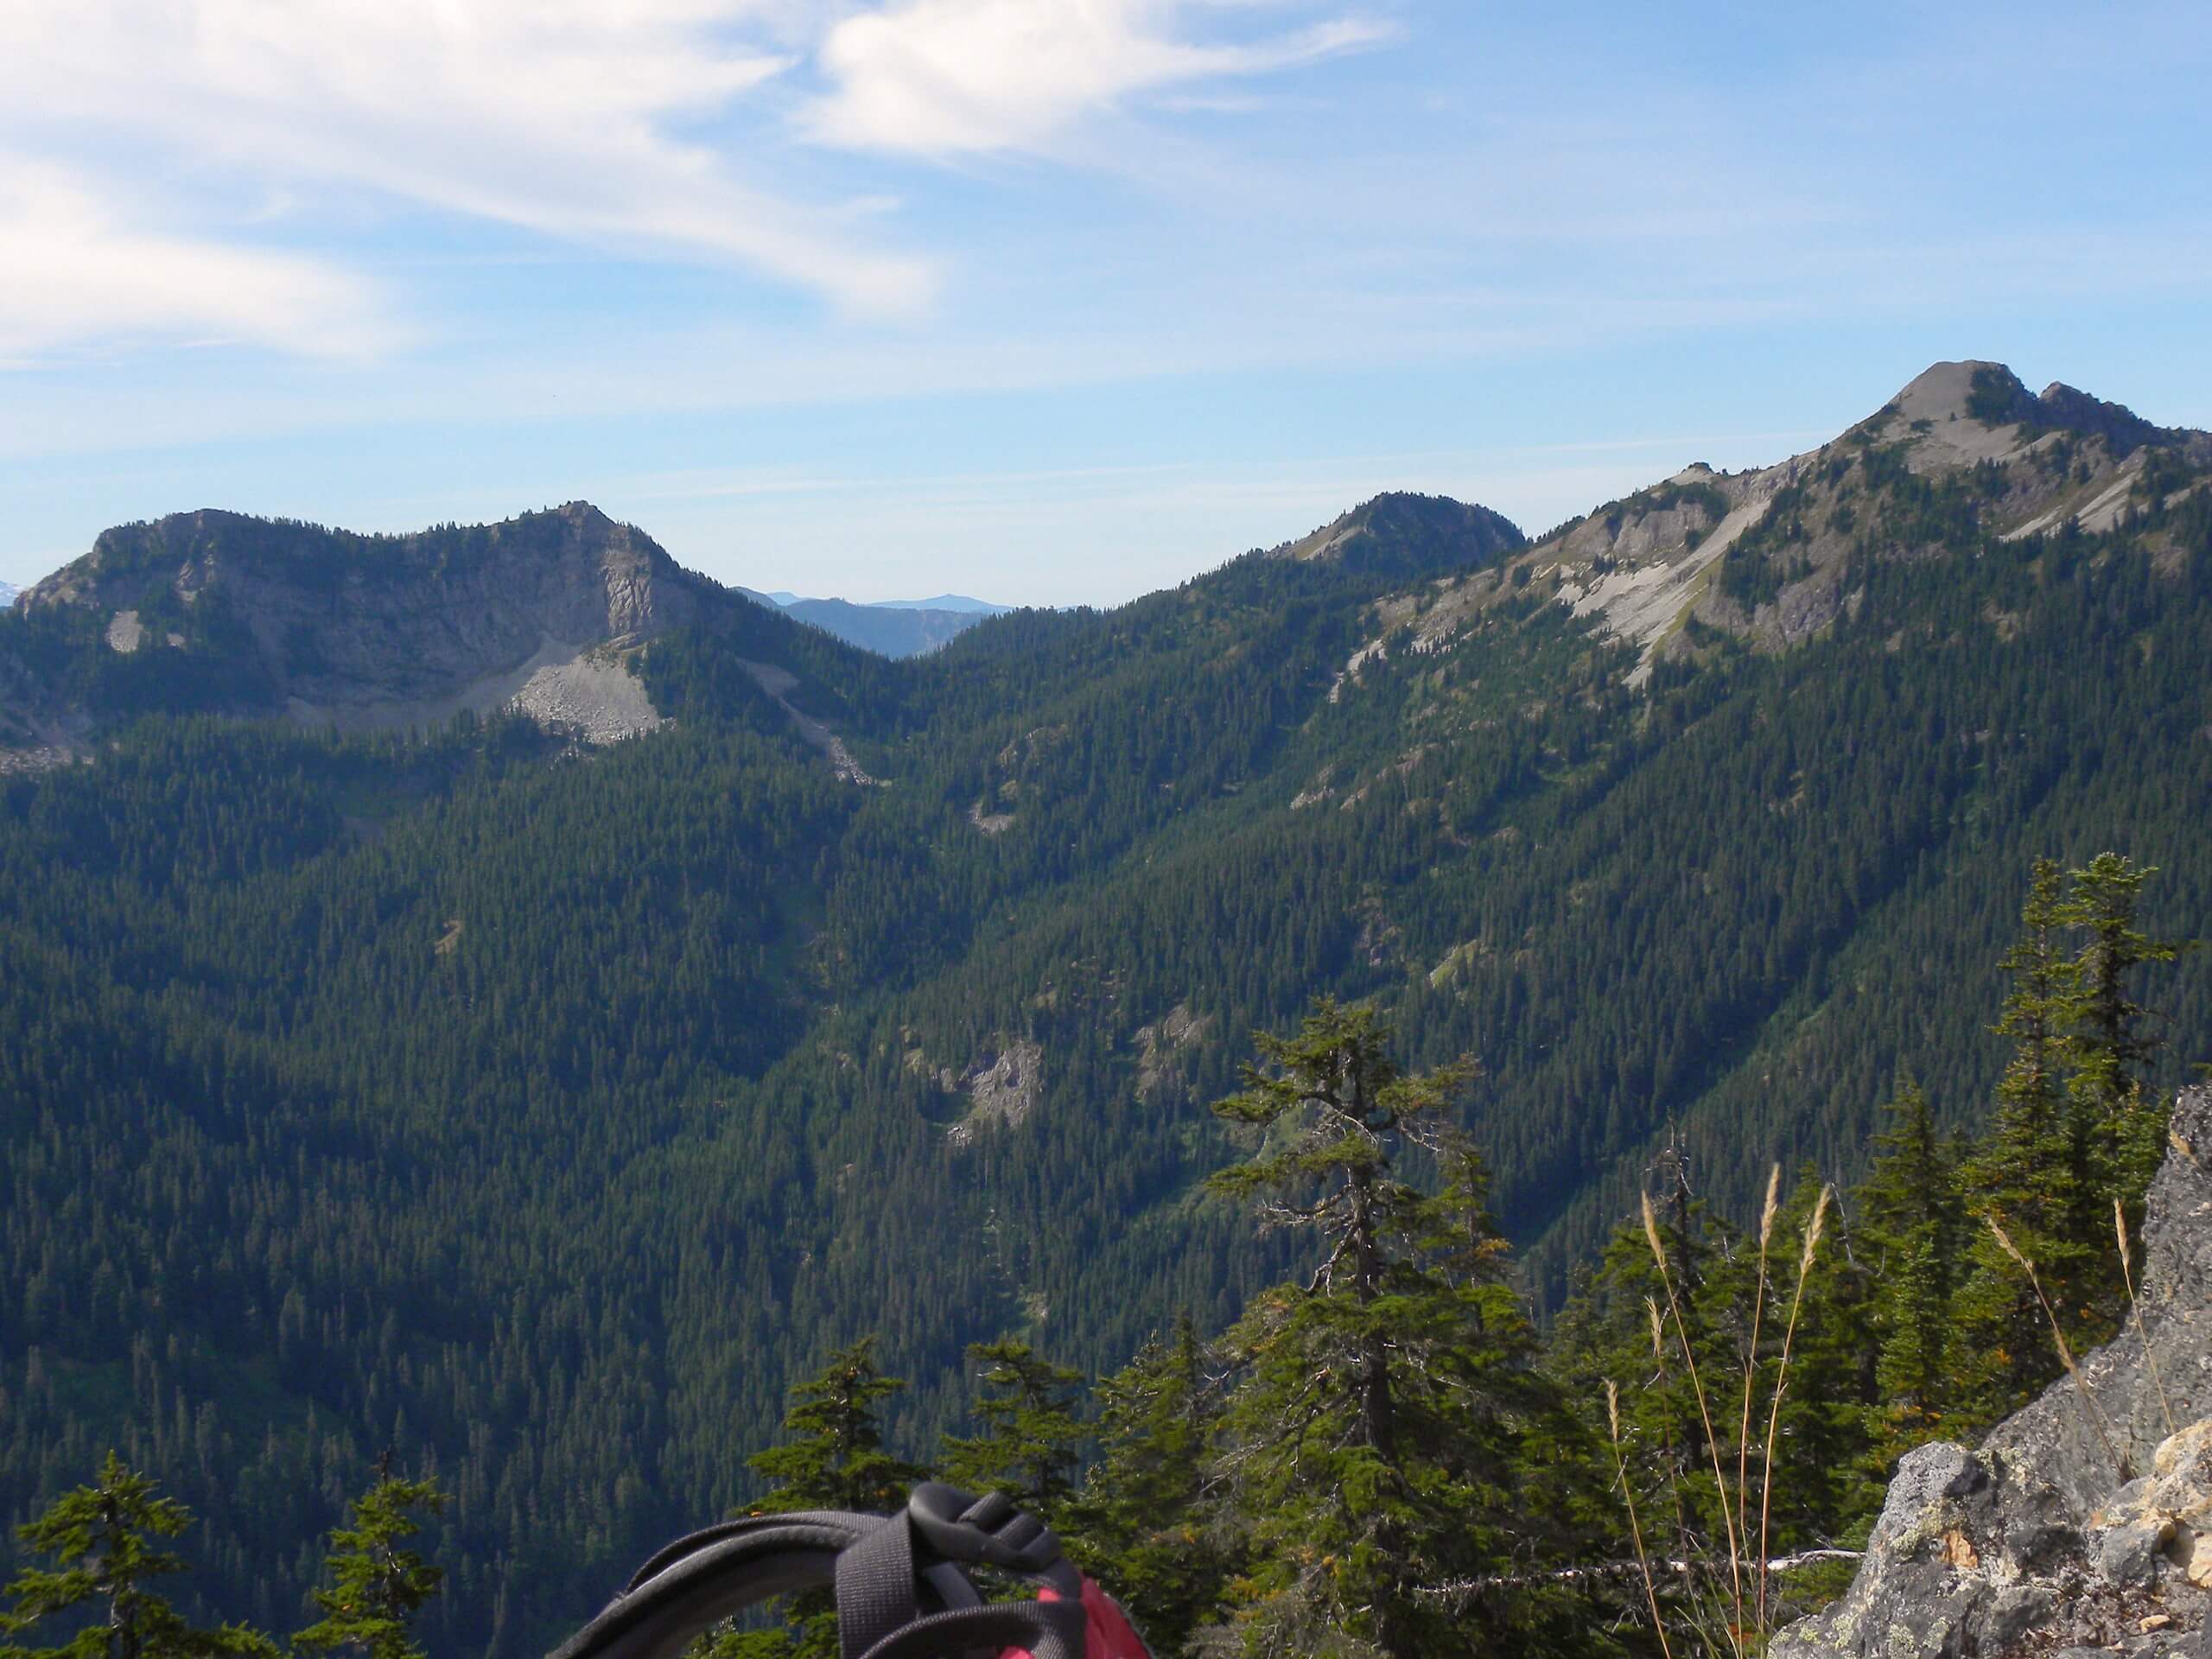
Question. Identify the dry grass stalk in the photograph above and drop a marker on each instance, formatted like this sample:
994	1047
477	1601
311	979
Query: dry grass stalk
1767	1213
1705	1414
1667	1429
1813	1231
2150	1359
1635	1529
2094	1417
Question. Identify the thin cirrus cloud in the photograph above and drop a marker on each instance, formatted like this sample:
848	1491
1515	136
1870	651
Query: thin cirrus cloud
648	126
556	115
941	77
70	272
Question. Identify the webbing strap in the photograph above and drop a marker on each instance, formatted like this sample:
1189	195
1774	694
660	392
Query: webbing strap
875	1586
696	1581
658	1618
1048	1629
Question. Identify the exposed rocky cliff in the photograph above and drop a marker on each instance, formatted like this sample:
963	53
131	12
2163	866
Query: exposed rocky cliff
2078	1526
367	630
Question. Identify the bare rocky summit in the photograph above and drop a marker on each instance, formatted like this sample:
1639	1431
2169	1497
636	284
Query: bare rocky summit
2077	1528
365	630
1766	555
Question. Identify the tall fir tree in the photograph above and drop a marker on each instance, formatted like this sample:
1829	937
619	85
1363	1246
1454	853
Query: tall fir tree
1030	1438
836	1461
378	1584
2077	1129
2025	1172
1911	1232
1369	1456
2118	1123
1139	1523
100	1534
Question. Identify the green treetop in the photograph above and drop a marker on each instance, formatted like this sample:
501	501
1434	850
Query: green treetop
838	1461
1912	1225
2121	1127
1138	1524
1027	1448
2076	1130
378	1584
99	1535
1369	1455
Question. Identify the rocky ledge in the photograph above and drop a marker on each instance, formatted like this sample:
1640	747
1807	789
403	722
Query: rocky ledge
2075	1528
360	631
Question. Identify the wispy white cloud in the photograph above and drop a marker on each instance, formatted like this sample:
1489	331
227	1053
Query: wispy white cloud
67	271
564	117
941	77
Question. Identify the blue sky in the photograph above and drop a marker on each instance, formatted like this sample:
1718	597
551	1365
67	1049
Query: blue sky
1049	301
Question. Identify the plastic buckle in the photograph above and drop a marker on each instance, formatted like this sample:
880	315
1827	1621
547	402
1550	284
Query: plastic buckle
990	1530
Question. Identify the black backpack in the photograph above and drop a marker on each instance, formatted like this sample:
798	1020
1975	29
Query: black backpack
901	1580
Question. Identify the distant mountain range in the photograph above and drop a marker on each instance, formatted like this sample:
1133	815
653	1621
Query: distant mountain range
6	595
889	627
942	602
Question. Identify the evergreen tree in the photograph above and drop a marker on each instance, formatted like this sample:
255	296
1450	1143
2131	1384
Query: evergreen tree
1028	1448
377	1585
2025	1172
2118	1126
838	1462
1138	1525
1369	1453
2076	1130
98	1535
1912	1233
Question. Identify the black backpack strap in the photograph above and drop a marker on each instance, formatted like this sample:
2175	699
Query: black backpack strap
882	1567
876	1587
1049	1629
699	1580
990	1531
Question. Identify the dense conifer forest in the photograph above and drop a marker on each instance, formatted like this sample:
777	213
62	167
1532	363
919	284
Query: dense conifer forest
552	1121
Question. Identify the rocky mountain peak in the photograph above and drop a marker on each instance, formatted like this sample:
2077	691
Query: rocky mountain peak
368	630
2073	410
1969	389
1991	395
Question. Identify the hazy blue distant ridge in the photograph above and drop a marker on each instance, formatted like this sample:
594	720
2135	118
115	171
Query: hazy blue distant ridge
890	627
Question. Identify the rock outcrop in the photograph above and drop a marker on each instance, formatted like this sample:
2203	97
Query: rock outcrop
2077	1528
363	630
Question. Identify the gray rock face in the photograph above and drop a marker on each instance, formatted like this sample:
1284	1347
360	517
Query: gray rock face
378	630
2073	1527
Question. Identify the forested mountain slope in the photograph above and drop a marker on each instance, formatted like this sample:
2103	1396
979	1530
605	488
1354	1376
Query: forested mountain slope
546	1103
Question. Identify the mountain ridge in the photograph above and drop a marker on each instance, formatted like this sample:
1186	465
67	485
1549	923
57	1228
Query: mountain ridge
558	1103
